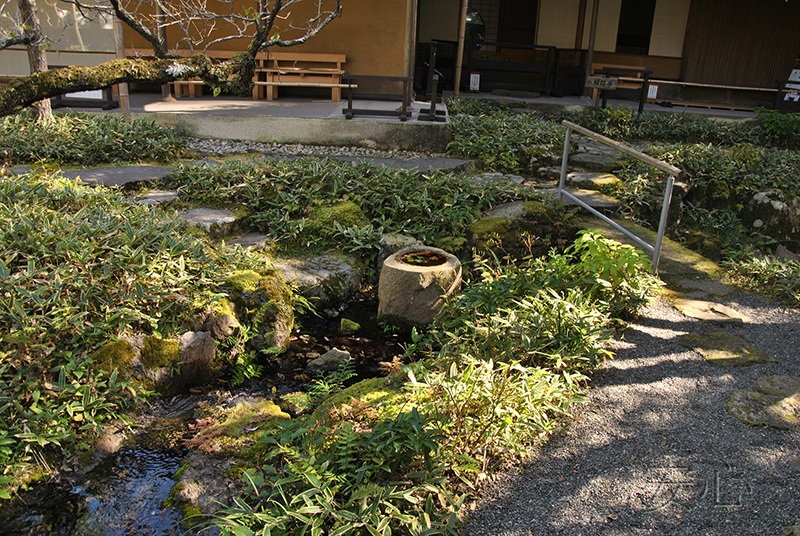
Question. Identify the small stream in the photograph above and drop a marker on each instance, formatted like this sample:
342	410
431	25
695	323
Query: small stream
124	493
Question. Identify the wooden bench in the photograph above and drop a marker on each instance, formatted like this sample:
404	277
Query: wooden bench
298	69
628	77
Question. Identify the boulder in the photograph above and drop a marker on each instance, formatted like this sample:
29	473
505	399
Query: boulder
266	304
391	243
220	327
325	280
523	228
772	213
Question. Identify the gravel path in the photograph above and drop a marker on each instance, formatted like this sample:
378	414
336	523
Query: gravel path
654	451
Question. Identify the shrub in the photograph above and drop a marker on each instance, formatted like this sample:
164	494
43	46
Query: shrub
87	140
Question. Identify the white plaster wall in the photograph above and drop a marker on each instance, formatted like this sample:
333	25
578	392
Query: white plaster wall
669	28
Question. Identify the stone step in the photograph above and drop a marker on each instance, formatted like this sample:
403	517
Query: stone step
592	180
595	199
213	221
724	349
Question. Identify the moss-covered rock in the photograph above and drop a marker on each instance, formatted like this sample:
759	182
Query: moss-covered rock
159	353
525	228
266	304
115	355
703	243
383	398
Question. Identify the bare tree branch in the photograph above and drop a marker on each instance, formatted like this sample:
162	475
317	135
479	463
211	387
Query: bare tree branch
25	39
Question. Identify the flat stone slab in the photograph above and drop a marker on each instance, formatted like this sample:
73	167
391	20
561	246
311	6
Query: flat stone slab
703	287
709	311
593	199
117	176
213	221
591	180
156	197
251	241
771	401
725	350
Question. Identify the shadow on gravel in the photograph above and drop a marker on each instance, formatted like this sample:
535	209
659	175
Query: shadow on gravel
654	451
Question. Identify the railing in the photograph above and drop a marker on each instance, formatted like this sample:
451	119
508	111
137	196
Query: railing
655	249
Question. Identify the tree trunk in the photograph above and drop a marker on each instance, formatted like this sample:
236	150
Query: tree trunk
37	57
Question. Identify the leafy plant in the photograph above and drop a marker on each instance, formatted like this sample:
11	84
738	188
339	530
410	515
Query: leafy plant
332	382
85	139
778	123
347	480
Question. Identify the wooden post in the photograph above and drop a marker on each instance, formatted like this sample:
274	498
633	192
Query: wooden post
119	45
462	33
592	37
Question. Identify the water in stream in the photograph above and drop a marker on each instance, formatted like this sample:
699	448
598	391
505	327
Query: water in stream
124	494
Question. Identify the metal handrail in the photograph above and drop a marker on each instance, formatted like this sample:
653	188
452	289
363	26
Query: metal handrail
673	172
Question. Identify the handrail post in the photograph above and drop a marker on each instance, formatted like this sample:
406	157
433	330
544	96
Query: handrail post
662	224
564	160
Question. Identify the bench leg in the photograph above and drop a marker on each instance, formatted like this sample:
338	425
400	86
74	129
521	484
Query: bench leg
336	94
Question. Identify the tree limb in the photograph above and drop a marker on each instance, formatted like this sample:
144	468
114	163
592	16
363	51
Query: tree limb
24	39
233	76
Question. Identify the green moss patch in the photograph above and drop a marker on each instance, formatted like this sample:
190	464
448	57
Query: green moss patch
725	350
115	355
157	353
376	393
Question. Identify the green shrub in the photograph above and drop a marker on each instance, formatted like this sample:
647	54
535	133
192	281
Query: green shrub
501	140
80	266
347	480
87	140
771	276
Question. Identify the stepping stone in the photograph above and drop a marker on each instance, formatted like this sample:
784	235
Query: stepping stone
725	350
589	180
216	222
251	241
771	401
604	161
704	287
794	530
117	176
156	197
709	311
594	199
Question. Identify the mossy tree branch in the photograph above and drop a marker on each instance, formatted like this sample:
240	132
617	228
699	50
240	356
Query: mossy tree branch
234	76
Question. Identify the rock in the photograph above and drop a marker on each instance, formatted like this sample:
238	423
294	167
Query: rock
773	213
347	326
794	530
523	228
325	280
215	222
706	244
782	252
413	295
198	350
391	243
220	327
589	180
707	287
328	361
725	350
156	197
709	311
266	304
251	241
771	401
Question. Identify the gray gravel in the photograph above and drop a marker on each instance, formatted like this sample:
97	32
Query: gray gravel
215	147
654	450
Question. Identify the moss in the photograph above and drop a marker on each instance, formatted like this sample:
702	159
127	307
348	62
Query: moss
224	307
113	356
374	392
347	214
347	326
240	419
158	353
243	281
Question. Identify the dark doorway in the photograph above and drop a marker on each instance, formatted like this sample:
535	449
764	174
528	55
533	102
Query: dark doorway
635	26
518	21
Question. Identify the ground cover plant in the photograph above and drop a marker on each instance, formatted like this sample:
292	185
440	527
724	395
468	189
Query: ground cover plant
325	204
725	162
86	140
507	360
